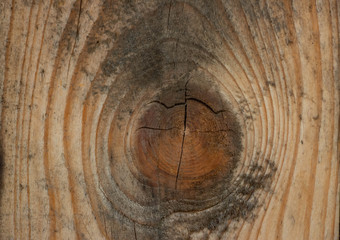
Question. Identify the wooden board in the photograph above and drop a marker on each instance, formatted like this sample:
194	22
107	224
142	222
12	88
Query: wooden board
193	119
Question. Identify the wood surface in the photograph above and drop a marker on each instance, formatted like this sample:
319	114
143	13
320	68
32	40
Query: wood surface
192	119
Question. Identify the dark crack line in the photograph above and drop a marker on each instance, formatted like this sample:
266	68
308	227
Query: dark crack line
206	105
134	229
166	106
169	15
176	47
78	23
182	147
184	131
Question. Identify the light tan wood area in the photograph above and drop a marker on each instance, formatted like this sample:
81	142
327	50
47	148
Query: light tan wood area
164	119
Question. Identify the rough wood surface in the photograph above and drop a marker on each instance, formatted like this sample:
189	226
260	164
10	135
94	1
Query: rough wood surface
193	119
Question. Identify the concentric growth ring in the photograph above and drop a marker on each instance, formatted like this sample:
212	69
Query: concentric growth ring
174	130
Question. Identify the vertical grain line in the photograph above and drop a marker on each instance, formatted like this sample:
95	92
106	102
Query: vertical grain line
7	56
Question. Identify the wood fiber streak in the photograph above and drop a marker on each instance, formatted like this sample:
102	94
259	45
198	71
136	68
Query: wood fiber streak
167	119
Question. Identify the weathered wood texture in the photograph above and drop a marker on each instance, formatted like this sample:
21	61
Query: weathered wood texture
193	119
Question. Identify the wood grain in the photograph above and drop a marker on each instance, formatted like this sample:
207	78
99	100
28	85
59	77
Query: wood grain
169	119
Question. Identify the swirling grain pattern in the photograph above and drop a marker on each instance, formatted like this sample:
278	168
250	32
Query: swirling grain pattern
166	119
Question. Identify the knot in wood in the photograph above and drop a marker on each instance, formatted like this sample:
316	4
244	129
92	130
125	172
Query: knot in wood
186	140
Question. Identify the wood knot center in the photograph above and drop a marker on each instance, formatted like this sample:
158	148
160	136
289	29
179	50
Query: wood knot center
186	139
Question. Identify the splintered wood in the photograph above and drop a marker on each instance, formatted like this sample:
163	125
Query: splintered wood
166	119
